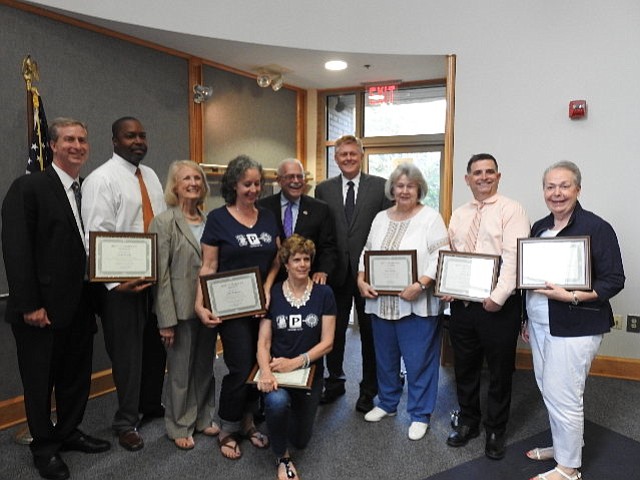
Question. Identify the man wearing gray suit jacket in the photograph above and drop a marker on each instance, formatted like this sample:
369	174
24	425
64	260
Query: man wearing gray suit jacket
354	199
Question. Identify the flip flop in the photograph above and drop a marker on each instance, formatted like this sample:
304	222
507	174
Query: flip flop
289	469
544	476
545	453
232	445
257	438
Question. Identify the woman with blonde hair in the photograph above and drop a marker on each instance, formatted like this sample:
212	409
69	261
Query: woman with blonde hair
190	389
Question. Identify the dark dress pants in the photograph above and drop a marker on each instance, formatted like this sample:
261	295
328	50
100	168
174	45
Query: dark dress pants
477	335
137	356
345	295
240	341
60	359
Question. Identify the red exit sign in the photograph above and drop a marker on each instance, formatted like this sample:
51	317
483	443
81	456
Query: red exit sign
380	94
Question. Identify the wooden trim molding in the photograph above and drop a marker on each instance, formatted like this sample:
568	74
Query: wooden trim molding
602	366
12	410
446	181
196	113
94	28
301	126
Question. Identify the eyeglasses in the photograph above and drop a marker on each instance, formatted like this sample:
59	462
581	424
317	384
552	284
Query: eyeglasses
293	176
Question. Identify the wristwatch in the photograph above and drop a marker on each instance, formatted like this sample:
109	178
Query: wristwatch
423	286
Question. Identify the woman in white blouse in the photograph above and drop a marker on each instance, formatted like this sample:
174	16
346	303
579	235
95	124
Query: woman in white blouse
407	325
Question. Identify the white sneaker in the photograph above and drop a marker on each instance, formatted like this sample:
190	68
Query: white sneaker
377	414
417	430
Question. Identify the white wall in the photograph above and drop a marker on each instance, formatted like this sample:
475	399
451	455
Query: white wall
519	64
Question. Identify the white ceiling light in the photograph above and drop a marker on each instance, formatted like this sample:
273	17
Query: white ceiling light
335	65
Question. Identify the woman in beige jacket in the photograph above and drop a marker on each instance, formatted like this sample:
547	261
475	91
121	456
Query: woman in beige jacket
190	387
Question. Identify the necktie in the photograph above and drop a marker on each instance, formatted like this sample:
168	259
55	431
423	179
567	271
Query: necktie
349	202
75	186
147	210
472	236
288	220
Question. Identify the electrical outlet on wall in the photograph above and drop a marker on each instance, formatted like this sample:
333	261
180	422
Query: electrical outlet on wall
633	323
617	322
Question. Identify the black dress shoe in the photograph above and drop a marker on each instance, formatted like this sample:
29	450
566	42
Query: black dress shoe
85	443
494	448
461	436
364	403
51	467
330	396
131	440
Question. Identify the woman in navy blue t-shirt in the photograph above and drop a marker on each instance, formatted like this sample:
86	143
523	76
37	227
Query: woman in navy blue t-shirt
297	333
238	235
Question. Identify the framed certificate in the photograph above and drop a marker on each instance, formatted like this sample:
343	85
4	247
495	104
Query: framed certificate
564	261
300	378
389	272
466	276
120	257
233	294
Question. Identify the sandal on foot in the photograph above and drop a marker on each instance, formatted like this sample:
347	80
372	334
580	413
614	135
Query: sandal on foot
212	430
257	438
544	476
289	469
184	443
230	446
545	453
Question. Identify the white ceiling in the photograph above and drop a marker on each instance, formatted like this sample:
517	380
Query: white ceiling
303	68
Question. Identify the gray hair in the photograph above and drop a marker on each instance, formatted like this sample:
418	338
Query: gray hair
288	161
413	174
566	165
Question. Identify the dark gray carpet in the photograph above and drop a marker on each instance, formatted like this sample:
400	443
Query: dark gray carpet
607	455
344	446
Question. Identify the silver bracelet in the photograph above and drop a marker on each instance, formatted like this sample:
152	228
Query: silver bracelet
306	361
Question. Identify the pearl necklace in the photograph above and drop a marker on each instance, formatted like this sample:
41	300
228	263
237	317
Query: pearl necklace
291	297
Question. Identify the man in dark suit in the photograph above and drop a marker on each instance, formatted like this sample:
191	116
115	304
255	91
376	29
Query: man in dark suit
49	304
304	215
354	199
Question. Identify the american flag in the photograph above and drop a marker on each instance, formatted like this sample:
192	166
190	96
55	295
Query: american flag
40	154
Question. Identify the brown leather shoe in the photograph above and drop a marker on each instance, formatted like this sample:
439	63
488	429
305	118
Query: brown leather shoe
131	440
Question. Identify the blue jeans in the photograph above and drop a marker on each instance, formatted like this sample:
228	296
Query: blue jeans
417	340
290	414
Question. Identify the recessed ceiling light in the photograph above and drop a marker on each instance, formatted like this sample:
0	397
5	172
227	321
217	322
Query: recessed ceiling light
335	65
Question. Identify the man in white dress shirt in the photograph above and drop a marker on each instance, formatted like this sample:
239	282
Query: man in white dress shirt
114	201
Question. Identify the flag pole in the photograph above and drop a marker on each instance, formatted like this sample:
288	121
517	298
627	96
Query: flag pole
30	73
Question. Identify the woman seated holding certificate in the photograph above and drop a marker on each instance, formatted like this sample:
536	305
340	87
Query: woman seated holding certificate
406	324
294	337
565	327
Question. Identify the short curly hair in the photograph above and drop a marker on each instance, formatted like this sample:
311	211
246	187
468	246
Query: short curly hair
296	244
232	175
